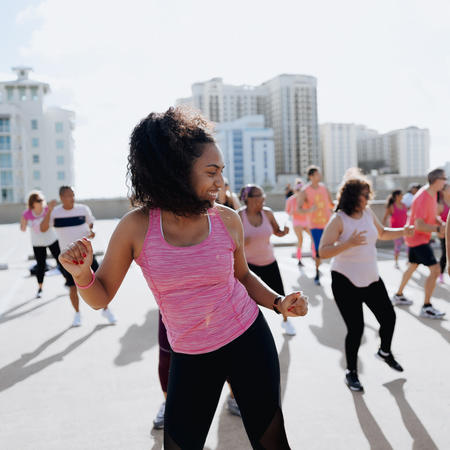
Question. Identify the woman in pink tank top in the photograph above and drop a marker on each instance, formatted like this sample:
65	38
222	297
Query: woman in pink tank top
259	224
350	238
398	212
191	252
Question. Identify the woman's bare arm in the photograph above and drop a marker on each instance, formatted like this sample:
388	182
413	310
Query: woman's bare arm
23	224
277	231
387	234
122	249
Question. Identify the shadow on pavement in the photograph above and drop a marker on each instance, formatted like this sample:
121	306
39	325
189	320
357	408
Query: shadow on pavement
285	360
419	434
231	432
138	339
18	371
7	316
369	426
158	439
435	324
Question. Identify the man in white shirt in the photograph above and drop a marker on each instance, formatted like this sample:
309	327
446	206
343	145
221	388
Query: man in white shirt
408	197
72	221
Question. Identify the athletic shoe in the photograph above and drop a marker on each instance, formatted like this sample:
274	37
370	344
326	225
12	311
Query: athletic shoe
431	313
352	381
288	328
158	421
300	264
39	293
401	300
109	315
317	280
233	406
76	320
389	360
396	265
441	278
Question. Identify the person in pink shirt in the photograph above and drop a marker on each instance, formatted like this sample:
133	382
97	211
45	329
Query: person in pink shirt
300	221
398	213
315	200
443	210
191	252
424	216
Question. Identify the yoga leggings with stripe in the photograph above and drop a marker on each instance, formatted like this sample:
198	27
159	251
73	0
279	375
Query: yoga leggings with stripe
349	299
250	363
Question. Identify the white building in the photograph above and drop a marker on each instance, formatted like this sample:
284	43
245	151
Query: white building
36	145
248	151
338	142
289	106
405	151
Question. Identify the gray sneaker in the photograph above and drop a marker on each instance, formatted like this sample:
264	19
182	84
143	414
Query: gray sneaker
233	406
401	300
431	313
158	421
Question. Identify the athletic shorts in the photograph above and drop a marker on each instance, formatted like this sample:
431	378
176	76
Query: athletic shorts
316	234
422	254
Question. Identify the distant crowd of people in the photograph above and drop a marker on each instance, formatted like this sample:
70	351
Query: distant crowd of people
207	257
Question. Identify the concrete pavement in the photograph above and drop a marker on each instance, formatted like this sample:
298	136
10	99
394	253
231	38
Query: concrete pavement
97	387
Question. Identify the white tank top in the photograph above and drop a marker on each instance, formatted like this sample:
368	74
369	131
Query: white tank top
358	264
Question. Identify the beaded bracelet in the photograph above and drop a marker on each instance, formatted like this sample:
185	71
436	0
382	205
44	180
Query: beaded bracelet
87	285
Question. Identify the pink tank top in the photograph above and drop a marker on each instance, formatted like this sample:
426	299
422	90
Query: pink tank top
259	250
202	304
399	216
318	197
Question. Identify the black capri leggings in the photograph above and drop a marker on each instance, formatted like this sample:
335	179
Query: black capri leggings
349	299
250	363
443	260
40	254
270	274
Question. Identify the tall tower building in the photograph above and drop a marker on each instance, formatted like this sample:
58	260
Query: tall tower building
36	145
288	104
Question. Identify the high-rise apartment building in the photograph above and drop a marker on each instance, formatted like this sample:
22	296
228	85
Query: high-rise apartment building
248	151
36	145
405	151
338	142
288	104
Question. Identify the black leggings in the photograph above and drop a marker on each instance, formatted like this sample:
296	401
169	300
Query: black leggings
349	299
250	363
443	260
164	355
40	254
270	274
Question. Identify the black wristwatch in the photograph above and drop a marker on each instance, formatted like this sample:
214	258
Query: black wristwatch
275	304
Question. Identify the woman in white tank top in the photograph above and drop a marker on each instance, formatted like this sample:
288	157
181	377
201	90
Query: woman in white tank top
350	239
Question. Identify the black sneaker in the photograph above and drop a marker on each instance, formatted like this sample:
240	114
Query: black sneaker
352	381
39	293
390	361
317	280
300	264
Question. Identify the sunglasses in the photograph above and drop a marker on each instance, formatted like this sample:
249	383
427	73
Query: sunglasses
257	196
366	195
39	200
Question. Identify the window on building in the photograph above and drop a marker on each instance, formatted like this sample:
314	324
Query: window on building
6	178
5	161
22	94
36	175
34	124
35	142
59	127
59	144
4	125
61	176
60	160
35	159
5	142
7	195
34	93
9	93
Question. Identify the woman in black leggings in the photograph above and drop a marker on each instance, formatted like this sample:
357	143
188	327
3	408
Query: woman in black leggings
350	238
32	218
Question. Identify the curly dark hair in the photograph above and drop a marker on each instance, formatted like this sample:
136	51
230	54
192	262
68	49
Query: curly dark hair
349	192
163	149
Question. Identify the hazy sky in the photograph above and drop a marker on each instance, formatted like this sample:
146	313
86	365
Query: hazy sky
385	63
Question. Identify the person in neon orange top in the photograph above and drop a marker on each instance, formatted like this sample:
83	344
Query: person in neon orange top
424	216
315	200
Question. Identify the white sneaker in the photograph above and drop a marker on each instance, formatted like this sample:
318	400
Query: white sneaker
76	320
431	313
232	406
288	328
109	315
401	300
158	421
